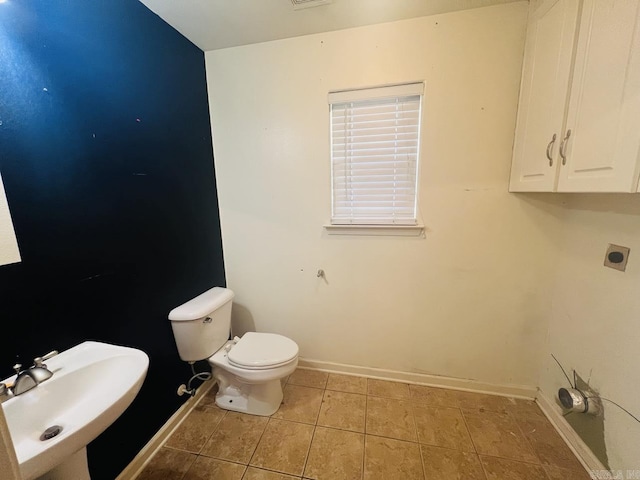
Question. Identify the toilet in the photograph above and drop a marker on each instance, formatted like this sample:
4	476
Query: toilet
249	369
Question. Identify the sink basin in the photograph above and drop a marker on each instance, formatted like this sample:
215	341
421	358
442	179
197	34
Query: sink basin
92	385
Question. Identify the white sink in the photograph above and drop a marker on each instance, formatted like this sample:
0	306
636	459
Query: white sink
92	385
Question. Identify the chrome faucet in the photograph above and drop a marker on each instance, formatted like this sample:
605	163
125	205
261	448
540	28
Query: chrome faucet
39	370
33	376
24	381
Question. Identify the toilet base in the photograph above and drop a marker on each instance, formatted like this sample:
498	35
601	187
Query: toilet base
262	399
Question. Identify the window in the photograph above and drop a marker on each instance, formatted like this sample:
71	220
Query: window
375	143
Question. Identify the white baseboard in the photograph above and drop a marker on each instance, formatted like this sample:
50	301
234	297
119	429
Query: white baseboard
554	413
149	450
517	391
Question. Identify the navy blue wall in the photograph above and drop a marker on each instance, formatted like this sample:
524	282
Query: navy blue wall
106	156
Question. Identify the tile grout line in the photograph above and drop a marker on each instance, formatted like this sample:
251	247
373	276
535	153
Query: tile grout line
313	434
271	470
364	442
452	449
424	470
484	470
197	454
164	443
315	426
258	443
526	439
315	422
473	443
513	459
517	460
546	474
190	466
254	449
415	427
306	458
213	431
184	474
466	425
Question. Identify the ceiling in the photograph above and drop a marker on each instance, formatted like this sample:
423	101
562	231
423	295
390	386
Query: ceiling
215	24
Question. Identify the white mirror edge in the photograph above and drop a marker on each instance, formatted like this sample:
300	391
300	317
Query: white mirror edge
9	252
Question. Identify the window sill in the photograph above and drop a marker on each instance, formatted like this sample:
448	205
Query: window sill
376	230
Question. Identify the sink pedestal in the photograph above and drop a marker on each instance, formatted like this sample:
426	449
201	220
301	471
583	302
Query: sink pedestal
75	467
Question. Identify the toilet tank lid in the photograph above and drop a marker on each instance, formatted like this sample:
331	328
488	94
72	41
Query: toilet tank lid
202	305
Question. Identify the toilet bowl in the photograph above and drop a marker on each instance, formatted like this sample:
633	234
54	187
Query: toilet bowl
248	369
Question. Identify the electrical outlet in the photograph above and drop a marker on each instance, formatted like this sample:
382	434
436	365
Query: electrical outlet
616	257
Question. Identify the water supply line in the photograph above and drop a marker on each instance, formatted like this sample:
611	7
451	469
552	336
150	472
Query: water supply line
204	376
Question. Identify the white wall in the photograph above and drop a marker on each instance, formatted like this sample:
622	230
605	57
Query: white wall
595	318
468	300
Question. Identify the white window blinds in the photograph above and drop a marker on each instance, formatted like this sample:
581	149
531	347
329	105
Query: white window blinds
375	139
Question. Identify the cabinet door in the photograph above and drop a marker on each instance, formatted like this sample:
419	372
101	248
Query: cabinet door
543	95
604	108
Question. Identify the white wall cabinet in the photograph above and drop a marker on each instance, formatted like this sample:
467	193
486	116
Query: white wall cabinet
578	126
543	95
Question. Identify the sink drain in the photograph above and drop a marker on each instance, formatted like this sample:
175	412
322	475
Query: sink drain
50	432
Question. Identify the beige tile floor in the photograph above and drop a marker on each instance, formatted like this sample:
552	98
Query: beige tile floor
335	427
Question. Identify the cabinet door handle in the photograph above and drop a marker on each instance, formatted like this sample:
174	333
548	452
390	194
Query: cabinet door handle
549	148
563	154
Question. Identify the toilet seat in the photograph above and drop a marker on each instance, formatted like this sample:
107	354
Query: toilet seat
260	351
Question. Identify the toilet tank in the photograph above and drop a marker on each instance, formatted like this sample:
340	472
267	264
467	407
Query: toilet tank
202	325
